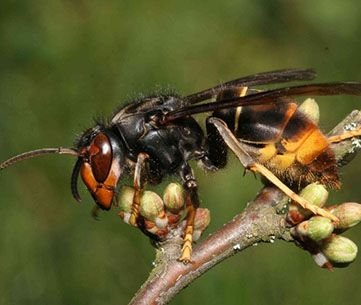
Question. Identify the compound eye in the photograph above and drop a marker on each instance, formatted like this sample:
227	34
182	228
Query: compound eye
100	157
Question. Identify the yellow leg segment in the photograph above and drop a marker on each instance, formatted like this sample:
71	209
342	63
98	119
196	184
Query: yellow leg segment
345	135
186	251
138	187
284	188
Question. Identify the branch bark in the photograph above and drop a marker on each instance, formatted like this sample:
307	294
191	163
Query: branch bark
263	220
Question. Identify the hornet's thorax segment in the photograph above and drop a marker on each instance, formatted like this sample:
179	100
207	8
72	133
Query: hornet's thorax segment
168	146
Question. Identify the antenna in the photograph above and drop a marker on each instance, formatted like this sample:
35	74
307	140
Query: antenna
39	152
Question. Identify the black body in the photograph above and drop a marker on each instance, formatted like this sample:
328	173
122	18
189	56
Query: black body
163	127
137	128
169	146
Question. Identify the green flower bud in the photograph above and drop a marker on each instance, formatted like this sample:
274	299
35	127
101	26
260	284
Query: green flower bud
348	213
125	199
339	249
310	108
152	208
316	228
173	197
315	194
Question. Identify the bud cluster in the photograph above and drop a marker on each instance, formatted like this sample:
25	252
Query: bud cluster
319	235
161	215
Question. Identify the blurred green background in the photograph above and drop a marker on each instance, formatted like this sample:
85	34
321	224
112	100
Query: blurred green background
64	62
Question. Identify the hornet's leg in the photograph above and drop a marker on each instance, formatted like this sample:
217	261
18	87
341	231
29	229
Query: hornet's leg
138	187
249	163
346	135
192	203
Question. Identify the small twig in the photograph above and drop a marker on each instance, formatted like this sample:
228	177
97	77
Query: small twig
262	221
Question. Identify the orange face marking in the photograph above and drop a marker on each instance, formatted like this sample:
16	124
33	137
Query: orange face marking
102	192
88	177
104	197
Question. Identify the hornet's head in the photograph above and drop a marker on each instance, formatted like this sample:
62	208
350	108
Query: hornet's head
101	155
100	158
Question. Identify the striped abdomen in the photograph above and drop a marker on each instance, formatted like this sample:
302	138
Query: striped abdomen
286	141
